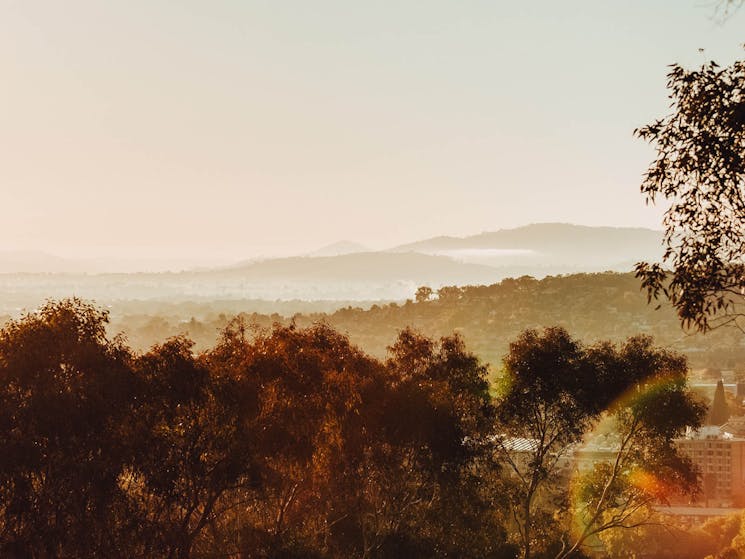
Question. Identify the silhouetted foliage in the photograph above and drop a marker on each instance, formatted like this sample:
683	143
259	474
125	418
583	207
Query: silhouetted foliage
66	395
700	170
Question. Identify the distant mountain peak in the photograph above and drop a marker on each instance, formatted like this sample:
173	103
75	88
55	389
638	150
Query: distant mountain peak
340	248
549	244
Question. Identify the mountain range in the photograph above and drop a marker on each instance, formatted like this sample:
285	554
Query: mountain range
347	271
549	245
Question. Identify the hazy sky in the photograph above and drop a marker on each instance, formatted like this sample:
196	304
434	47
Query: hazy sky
226	129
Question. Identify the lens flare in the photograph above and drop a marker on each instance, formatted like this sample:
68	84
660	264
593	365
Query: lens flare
598	474
651	484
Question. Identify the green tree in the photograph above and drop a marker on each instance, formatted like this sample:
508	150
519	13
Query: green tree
554	390
546	404
700	170
647	468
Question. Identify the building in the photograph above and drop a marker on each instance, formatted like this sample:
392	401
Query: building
720	457
599	449
522	452
735	426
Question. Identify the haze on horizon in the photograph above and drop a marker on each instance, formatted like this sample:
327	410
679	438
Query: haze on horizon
208	132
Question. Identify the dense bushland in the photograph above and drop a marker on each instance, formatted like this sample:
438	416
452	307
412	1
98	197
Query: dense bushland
291	442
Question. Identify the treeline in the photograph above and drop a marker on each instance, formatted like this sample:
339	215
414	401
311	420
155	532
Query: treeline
607	306
285	443
290	442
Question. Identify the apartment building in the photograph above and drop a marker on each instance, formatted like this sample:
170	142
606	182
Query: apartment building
720	457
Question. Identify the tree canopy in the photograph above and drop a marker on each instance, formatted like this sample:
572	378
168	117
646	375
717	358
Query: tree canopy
291	442
555	391
283	442
700	171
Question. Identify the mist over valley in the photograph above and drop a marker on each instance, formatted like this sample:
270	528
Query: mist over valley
341	272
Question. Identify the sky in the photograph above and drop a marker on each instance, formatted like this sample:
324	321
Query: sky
224	130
